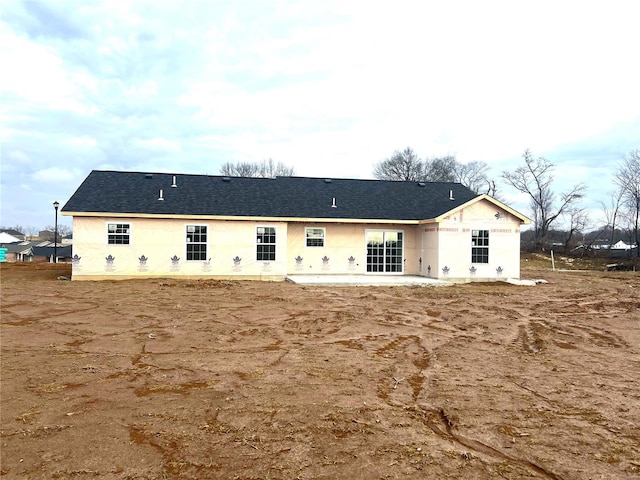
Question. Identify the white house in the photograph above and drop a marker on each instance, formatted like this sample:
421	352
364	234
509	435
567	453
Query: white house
622	245
8	238
130	224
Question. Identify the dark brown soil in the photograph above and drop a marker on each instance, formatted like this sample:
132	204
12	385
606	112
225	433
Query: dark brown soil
154	379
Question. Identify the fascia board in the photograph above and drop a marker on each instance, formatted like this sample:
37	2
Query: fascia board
240	218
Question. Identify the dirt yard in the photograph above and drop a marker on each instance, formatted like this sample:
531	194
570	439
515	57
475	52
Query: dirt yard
154	379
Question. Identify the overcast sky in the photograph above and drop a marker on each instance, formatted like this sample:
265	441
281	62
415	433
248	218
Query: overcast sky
328	87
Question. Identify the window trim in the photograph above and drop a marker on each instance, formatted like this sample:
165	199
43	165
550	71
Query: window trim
307	238
258	244
187	243
480	252
119	235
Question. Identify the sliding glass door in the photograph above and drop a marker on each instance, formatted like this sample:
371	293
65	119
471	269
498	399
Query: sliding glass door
384	251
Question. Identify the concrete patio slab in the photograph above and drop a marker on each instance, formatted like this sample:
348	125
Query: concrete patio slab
367	280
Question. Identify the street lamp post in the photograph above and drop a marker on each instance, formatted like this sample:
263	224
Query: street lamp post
55	234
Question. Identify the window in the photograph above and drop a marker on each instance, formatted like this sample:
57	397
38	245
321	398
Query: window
118	233
479	246
315	237
196	242
266	243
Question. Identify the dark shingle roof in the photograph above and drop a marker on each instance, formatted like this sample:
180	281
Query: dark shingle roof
47	251
285	197
11	231
17	247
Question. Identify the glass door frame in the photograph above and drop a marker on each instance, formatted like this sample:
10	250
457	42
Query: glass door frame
385	256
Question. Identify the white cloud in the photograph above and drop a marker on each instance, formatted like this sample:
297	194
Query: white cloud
57	174
161	144
37	75
328	87
18	156
83	142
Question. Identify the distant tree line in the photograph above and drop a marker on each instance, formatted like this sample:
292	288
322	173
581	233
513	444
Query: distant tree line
406	165
624	207
622	213
264	169
31	232
534	178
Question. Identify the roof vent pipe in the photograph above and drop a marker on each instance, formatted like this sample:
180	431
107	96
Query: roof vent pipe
333	203
451	195
173	185
160	197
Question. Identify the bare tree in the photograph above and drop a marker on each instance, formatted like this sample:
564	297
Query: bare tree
406	166
270	169
473	175
627	177
578	220
265	169
535	179
440	169
492	190
63	231
612	213
31	232
402	165
17	228
239	169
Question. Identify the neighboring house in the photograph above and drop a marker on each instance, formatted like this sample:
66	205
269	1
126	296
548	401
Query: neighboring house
46	254
6	237
14	233
18	251
40	251
128	224
46	235
618	249
623	249
622	245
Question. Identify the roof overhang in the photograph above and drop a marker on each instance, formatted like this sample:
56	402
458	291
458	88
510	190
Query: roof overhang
243	218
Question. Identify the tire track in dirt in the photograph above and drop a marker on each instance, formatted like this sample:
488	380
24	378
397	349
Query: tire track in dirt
601	336
45	315
527	339
411	347
421	360
439	423
530	335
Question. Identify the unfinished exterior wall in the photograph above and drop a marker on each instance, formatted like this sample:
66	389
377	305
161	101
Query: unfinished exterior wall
455	242
158	248
344	249
429	245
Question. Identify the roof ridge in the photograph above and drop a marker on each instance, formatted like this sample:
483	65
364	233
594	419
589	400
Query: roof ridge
302	177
